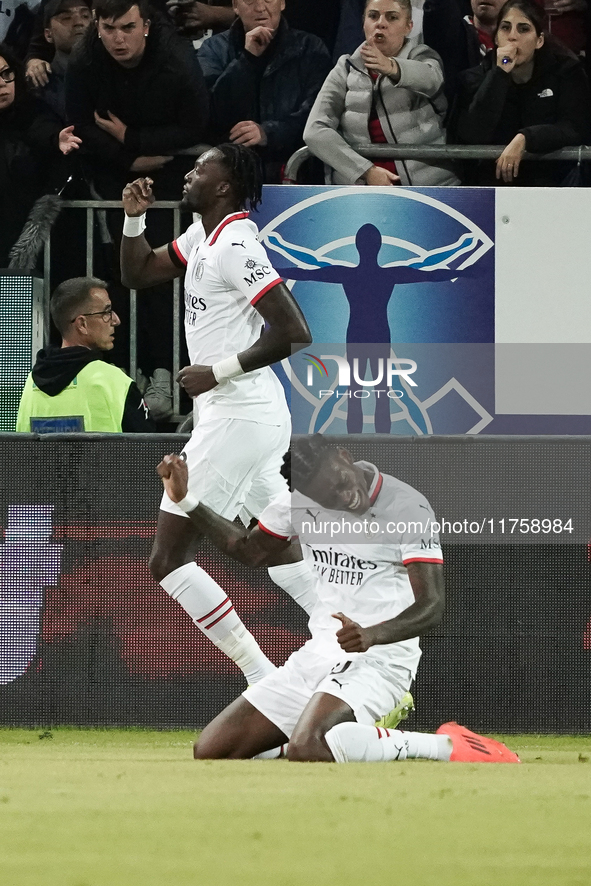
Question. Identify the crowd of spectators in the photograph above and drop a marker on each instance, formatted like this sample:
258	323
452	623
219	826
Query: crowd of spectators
140	83
93	95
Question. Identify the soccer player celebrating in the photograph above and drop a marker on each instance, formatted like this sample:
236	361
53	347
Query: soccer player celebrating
242	423
385	587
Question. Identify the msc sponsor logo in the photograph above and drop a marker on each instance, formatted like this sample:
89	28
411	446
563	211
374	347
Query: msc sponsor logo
258	272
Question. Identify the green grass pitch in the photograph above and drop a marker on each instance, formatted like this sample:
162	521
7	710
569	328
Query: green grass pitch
132	808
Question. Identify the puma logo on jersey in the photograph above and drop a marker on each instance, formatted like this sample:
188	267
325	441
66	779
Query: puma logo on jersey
239	244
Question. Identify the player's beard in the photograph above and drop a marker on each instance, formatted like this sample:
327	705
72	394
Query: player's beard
185	204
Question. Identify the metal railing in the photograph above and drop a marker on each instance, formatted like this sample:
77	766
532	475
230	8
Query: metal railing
98	206
433	152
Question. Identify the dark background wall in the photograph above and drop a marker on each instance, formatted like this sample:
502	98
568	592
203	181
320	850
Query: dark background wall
88	638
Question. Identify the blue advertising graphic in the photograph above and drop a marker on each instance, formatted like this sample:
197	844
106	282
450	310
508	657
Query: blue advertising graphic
374	266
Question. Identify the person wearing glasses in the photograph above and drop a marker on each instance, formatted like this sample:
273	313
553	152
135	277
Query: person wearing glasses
32	142
71	387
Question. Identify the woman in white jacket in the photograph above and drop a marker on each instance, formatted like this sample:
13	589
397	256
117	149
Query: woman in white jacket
389	91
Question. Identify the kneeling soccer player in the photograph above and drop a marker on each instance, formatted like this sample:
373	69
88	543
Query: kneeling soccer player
389	581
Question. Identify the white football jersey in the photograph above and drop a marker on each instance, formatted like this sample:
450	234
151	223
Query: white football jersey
366	580
227	273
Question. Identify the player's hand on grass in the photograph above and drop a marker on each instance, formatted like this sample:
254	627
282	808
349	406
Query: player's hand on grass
174	474
196	379
351	636
137	196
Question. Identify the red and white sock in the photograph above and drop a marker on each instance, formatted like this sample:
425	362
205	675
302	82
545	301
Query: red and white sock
213	612
357	743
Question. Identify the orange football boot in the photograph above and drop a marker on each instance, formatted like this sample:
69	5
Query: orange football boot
468	747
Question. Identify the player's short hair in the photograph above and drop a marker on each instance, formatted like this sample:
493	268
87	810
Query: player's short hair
117	8
69	297
304	459
245	173
528	8
406	5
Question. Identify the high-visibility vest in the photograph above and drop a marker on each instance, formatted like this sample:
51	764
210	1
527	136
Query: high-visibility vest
93	401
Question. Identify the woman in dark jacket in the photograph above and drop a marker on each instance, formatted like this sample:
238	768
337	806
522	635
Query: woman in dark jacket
32	140
528	94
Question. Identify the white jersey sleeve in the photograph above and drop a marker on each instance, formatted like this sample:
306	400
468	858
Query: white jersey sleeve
184	244
245	266
420	542
276	517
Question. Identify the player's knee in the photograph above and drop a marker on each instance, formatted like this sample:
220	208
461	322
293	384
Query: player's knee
308	750
161	564
216	746
203	750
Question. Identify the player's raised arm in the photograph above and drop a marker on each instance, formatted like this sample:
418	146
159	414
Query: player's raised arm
251	547
425	613
142	266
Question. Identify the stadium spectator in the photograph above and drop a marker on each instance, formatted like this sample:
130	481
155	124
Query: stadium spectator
349	32
390	90
529	94
263	77
136	95
327	696
460	40
71	388
65	23
31	139
199	19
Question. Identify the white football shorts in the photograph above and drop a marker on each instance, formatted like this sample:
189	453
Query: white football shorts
370	688
234	466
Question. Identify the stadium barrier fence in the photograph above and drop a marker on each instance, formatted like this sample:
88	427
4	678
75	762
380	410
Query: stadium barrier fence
87	637
436	153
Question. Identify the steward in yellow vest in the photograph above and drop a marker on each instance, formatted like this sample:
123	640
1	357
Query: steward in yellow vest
71	388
